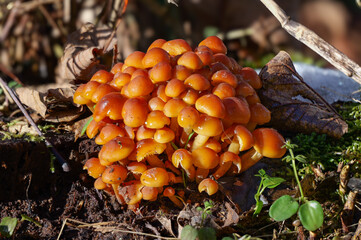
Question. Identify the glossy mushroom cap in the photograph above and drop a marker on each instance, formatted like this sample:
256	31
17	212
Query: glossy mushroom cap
208	185
176	47
211	105
237	110
269	142
183	158
155	177
135	111
187	117
115	150
215	44
156	119
111	106
147	147
205	158
208	126
154	56
109	132
114	174
95	169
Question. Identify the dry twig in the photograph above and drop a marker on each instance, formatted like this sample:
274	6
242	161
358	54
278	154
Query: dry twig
61	160
313	41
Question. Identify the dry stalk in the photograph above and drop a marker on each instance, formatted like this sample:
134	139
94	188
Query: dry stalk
313	41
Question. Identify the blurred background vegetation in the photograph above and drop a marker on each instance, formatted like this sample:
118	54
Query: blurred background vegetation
33	33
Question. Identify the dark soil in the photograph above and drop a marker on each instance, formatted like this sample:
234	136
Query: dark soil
28	187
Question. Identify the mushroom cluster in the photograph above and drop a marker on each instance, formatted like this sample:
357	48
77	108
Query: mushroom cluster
174	113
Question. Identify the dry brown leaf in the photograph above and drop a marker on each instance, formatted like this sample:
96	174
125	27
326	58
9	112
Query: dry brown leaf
80	59
232	216
55	105
295	106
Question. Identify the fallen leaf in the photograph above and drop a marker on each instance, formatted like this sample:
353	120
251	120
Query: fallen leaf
82	50
232	216
55	105
295	106
167	223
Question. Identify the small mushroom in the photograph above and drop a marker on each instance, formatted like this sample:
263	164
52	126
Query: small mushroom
226	160
267	143
155	177
170	193
115	175
95	169
206	127
208	185
115	150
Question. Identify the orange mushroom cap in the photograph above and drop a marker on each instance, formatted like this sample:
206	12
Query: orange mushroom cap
117	68
161	72
187	117
225	76
176	47
156	103
197	82
156	44
182	157
173	107
110	105
135	111
147	147
164	135
190	96
155	177
208	185
181	72
251	76
215	44
208	126
135	59
114	174
102	76
144	133
211	105
190	60
205	158
269	142
149	193
102	90
154	56
115	150
120	80
259	113
139	86
109	132
224	90
237	110
174	88
95	169
156	119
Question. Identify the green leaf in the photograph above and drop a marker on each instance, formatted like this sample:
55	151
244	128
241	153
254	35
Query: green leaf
199	209
227	238
27	218
207	233
258	208
311	215
283	208
272	182
189	233
262	172
86	125
7	226
301	158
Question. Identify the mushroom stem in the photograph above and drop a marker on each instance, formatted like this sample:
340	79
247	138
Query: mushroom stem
171	167
191	173
234	147
154	161
199	141
176	201
201	174
250	158
222	169
119	198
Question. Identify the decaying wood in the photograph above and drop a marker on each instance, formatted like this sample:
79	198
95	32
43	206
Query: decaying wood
348	211
295	106
313	41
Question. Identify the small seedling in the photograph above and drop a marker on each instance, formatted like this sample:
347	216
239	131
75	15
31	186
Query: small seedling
86	126
310	212
203	233
266	182
8	225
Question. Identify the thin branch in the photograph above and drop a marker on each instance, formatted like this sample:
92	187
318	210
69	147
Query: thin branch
313	41
61	160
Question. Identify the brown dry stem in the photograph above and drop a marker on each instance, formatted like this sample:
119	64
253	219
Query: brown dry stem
313	41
